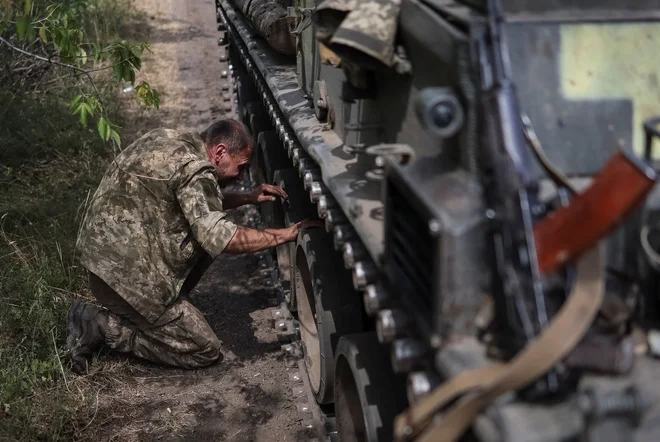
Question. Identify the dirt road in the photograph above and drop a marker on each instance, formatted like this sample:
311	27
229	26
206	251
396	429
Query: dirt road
248	397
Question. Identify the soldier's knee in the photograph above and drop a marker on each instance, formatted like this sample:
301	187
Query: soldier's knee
207	355
213	352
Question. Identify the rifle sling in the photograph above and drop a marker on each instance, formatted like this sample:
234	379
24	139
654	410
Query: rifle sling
483	385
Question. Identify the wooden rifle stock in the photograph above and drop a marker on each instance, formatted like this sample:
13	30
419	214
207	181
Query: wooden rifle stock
616	191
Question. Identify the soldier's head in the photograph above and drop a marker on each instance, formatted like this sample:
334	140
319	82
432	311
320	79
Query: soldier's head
229	145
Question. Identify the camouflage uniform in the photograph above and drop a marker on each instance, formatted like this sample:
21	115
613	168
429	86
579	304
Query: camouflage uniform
155	216
361	32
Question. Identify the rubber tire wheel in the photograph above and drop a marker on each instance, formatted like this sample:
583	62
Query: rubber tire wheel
296	209
336	306
366	387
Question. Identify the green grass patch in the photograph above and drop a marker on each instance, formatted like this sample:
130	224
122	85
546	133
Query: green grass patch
43	189
49	166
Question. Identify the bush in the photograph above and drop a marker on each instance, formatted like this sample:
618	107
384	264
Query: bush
49	166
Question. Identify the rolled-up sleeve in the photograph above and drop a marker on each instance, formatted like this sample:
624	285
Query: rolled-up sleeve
200	199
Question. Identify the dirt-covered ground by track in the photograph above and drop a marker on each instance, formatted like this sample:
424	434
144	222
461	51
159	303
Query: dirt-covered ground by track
248	396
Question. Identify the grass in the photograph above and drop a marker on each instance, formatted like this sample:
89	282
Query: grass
48	167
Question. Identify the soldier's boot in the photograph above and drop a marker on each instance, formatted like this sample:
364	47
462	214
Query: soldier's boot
86	327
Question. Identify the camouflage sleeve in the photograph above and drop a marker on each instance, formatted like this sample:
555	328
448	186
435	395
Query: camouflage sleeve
200	200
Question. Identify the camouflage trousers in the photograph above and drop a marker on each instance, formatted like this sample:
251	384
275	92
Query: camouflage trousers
181	337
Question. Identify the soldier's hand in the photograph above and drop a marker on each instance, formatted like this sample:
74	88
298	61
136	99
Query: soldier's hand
267	192
298	227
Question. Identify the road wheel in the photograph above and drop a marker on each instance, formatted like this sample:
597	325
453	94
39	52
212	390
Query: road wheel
296	209
328	308
368	395
269	157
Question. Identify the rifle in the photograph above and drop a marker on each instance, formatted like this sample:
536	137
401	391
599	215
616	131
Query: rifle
511	195
561	238
524	249
523	252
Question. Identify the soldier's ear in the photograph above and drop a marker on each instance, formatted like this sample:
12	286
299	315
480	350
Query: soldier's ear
221	150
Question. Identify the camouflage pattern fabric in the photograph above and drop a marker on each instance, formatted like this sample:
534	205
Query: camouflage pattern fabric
157	209
181	337
362	31
328	15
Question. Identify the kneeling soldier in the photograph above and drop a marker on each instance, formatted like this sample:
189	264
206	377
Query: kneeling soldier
154	225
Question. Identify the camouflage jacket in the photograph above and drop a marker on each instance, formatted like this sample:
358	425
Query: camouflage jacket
157	207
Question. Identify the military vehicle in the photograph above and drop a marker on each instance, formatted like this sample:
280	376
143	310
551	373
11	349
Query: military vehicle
485	172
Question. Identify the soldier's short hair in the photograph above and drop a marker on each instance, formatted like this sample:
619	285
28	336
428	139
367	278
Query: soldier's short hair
234	134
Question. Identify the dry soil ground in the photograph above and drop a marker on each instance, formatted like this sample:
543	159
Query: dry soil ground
248	396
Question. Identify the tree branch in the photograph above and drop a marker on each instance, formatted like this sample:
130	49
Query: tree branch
39	57
57	63
65	65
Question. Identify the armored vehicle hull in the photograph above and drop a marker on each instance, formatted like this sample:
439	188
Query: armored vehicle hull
394	299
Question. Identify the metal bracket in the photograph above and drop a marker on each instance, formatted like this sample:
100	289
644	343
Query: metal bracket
303	24
399	153
321	103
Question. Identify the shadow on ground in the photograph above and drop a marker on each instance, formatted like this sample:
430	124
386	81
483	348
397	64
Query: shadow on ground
247	397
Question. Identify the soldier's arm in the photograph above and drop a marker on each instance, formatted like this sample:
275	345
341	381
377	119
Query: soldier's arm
200	200
198	193
232	200
247	240
262	193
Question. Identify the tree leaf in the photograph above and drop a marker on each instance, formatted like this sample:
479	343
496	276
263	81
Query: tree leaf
103	129
137	51
83	115
42	34
117	70
83	56
97	51
22	23
78	109
131	75
28	7
88	108
115	136
156	98
75	100
31	33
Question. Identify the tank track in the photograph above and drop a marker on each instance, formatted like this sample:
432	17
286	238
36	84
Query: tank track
364	271
313	418
315	423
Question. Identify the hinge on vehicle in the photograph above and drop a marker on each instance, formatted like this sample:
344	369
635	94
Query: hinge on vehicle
302	24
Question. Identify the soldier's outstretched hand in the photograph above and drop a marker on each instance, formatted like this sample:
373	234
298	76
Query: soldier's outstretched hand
267	192
298	227
308	224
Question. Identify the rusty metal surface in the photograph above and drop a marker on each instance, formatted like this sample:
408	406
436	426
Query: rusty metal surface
344	171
